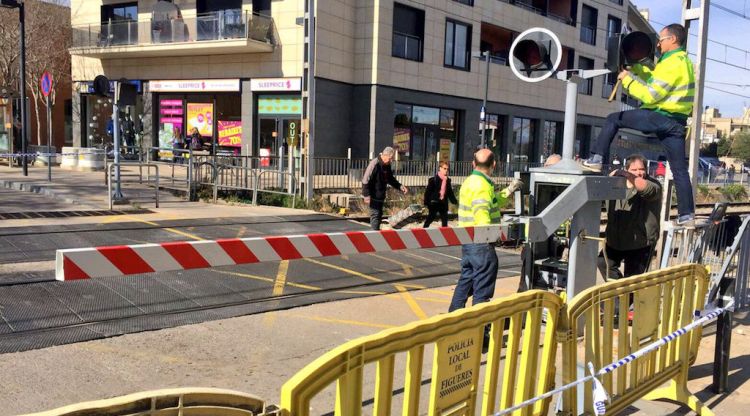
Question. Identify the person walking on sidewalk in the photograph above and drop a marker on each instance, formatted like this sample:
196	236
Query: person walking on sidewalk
632	223
375	181
667	94
439	191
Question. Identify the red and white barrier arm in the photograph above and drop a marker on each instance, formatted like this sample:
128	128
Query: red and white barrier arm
85	263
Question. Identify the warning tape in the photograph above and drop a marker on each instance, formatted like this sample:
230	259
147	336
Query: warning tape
600	394
85	263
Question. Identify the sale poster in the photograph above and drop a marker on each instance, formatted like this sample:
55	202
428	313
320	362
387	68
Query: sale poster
229	133
200	116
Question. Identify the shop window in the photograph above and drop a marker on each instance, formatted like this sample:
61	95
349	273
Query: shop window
552	138
493	132
521	150
424	133
457	45
408	32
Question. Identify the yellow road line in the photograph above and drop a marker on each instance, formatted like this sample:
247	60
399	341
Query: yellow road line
341	321
405	267
278	285
417	256
241	232
171	230
345	270
411	302
265	279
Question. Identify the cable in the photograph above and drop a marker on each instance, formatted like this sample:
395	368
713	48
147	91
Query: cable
730	11
726	92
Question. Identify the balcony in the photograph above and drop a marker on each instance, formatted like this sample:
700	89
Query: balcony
223	32
560	10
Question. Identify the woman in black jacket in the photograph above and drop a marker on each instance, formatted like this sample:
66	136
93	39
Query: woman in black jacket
439	191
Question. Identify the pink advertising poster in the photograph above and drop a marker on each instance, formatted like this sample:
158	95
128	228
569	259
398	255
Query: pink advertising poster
229	133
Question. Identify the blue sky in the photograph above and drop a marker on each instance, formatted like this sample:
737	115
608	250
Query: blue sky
725	28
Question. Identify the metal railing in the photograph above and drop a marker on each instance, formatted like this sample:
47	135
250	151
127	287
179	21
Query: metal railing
220	25
173	160
140	166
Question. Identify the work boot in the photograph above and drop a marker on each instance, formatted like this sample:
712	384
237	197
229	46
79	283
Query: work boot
686	220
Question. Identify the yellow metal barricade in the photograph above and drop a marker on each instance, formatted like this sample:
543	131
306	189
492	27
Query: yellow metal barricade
662	302
520	363
169	402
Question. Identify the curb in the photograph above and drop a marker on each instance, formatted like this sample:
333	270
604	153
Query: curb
38	189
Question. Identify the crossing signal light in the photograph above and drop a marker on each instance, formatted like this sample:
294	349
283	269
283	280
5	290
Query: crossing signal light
101	86
626	50
535	54
128	93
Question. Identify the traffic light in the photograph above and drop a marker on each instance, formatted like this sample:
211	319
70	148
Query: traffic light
629	49
101	86
535	54
128	93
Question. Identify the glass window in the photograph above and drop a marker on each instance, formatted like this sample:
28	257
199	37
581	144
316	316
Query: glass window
614	27
552	138
523	132
119	24
402	128
457	44
466	2
408	32
589	16
426	115
586	85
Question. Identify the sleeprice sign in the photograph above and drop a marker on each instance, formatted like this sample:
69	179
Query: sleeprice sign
230	133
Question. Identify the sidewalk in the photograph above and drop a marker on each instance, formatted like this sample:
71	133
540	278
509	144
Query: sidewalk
73	190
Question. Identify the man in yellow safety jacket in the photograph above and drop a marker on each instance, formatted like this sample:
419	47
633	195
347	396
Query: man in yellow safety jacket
666	93
479	204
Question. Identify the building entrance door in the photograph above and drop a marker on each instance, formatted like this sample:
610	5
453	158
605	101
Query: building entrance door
275	133
425	142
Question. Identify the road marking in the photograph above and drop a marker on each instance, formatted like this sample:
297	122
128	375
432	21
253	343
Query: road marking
241	232
342	321
405	267
171	230
265	279
411	302
417	256
278	285
443	254
345	270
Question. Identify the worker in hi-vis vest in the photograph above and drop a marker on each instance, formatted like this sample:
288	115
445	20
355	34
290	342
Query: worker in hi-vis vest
667	94
479	204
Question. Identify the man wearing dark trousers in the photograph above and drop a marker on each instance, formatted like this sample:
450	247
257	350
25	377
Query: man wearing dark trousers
375	181
667	94
632	223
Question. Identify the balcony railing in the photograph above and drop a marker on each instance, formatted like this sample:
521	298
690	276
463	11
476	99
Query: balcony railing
221	25
562	19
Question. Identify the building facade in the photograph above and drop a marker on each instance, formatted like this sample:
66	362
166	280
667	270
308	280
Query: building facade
387	73
716	127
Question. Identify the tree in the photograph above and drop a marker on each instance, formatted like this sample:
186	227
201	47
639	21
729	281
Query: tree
48	38
724	147
741	146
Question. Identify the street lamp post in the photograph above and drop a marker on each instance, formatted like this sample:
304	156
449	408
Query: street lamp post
483	113
14	4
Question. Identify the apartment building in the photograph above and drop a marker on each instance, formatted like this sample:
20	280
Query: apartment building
387	73
716	127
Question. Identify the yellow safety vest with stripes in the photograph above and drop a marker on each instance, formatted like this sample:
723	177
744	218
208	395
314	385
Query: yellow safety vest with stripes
478	204
668	89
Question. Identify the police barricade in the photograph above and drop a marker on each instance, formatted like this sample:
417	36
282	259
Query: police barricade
181	401
518	366
663	302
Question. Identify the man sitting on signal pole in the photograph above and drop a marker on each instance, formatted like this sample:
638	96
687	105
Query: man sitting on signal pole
667	95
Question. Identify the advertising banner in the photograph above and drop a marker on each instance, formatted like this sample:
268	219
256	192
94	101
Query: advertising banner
401	140
229	133
200	115
170	125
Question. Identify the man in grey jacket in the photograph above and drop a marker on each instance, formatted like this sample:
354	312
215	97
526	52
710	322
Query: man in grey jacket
375	181
633	222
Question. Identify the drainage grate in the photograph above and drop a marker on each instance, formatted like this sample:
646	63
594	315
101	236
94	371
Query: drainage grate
66	214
